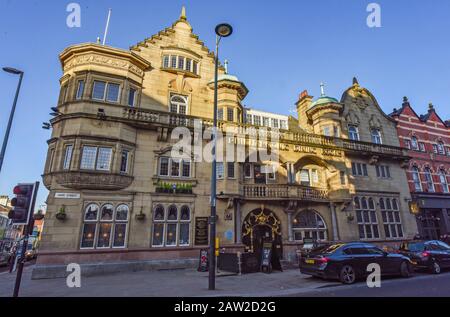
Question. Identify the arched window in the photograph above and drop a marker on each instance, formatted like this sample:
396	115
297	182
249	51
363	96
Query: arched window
388	204
371	204
382	205
414	143
171	230
105	227
357	203
429	179
310	225
394	204
443	180
353	133
416	179
376	136
178	104
441	148
120	226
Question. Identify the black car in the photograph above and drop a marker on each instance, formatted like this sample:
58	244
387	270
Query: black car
349	261
433	255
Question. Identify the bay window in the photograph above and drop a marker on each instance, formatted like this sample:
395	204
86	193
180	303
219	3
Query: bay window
105	91
96	158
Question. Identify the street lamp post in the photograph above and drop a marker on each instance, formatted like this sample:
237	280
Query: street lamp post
222	30
11	115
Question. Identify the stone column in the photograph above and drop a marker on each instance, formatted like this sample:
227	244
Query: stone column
334	222
290	232
237	221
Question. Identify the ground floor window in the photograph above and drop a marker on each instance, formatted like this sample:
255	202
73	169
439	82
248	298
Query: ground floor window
366	217
310	225
105	226
391	218
171	225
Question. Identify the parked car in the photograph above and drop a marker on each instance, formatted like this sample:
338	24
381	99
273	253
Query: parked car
349	261
432	255
4	258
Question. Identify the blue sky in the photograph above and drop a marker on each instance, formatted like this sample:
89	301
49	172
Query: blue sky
278	49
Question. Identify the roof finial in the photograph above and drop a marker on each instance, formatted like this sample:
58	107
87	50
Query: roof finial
226	66
183	14
322	90
355	81
430	106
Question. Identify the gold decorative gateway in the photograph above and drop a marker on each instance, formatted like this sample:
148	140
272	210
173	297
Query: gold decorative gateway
260	217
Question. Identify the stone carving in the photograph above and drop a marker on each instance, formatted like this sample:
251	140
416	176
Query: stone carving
104	61
92	180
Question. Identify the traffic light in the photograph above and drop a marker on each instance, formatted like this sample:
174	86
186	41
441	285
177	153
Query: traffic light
23	203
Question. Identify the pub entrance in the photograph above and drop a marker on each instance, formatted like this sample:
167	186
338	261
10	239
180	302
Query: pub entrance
262	226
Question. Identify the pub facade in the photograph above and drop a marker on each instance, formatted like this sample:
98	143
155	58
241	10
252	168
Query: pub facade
118	197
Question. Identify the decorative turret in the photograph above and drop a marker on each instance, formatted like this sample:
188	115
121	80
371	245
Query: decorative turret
324	114
231	91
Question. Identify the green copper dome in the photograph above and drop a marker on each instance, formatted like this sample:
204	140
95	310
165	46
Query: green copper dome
324	100
228	77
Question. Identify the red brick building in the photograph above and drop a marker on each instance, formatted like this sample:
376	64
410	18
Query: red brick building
428	139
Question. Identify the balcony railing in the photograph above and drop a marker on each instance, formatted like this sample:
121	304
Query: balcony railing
371	147
176	120
279	191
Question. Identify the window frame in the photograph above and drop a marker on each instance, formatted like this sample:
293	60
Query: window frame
79	93
179	104
67	161
376	138
107	84
363	210
98	221
352	134
165	222
429	180
97	147
416	181
388	212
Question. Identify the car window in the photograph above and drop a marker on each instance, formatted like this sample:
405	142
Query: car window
375	251
413	246
433	246
348	251
327	249
443	245
359	251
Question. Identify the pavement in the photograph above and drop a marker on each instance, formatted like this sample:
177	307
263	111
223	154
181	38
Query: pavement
190	283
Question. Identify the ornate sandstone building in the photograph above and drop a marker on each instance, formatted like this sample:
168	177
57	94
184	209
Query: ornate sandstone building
117	195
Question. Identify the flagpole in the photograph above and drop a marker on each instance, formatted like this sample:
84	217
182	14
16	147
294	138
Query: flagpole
107	27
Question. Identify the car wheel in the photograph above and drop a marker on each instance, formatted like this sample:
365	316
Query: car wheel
404	269
435	268
347	275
